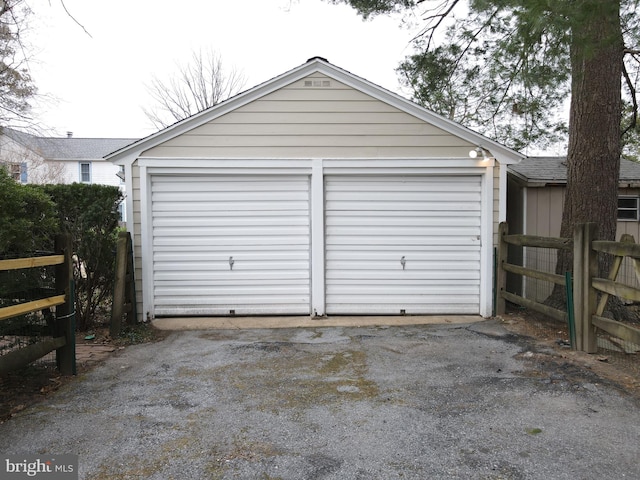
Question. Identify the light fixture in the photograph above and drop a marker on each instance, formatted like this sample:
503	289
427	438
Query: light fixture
479	152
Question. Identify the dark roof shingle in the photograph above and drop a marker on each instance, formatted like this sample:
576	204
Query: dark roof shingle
550	170
69	148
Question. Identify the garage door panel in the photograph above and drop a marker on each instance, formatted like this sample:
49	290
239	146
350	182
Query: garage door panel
257	233
456	308
282	242
245	265
410	241
181	258
228	184
369	207
391	266
228	309
359	276
203	214
282	219
247	207
403	244
408	290
364	221
464	254
420	231
224	274
233	291
230	245
177	247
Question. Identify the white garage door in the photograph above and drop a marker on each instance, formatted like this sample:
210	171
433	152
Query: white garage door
230	245
403	244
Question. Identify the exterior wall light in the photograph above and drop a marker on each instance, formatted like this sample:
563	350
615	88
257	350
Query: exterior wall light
476	152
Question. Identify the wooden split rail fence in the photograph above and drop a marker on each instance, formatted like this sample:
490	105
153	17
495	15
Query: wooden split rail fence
589	292
63	338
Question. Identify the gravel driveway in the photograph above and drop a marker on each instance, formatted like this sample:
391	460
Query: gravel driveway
412	402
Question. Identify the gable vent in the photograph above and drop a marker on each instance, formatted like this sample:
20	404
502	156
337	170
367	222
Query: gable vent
317	83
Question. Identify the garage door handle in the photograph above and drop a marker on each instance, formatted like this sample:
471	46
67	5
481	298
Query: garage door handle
231	262
403	262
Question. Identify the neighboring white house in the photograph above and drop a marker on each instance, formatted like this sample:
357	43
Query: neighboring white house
37	159
315	193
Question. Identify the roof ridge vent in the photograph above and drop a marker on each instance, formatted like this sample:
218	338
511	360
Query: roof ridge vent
318	58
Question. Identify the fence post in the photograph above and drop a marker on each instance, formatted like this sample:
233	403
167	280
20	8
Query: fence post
501	274
585	267
65	313
119	287
132	310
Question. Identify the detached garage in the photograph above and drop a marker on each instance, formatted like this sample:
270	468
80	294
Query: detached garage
315	193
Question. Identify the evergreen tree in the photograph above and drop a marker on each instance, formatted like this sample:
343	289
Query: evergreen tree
504	67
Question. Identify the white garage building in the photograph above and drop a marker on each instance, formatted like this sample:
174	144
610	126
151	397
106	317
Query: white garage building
315	193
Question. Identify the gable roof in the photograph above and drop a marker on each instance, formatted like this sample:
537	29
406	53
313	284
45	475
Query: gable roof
68	148
315	65
541	171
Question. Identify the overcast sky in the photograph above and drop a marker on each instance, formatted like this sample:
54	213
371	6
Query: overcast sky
98	81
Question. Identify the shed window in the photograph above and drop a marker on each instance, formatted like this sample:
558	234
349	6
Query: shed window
628	208
85	172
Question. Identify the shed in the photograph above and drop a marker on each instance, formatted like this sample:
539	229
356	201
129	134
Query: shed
315	193
536	190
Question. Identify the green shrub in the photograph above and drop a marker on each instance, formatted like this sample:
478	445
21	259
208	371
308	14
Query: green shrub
28	218
28	225
90	214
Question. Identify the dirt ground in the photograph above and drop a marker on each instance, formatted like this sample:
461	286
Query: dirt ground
29	386
22	388
620	369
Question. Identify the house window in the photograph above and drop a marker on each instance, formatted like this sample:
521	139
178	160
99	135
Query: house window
14	171
628	208
18	172
85	172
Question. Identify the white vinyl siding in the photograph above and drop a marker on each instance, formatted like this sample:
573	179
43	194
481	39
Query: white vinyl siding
334	126
403	244
304	122
230	245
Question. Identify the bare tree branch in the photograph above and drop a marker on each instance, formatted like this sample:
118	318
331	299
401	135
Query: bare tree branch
199	85
73	18
434	21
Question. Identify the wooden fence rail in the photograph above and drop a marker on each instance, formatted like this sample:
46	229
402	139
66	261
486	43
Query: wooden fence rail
63	338
590	293
504	267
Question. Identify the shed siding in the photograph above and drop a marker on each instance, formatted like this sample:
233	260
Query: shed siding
544	206
544	216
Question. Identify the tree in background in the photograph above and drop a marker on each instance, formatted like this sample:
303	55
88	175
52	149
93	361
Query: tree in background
504	66
16	87
196	86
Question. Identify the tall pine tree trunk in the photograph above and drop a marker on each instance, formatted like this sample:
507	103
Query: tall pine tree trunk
593	157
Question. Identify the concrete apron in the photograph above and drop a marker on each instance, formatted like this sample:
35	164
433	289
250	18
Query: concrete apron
230	323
